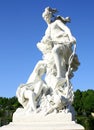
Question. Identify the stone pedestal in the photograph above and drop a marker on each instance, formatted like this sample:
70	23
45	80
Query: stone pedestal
54	121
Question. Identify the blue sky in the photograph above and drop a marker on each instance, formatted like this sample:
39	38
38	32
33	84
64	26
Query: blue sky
22	27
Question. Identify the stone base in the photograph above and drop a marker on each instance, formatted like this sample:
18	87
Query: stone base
54	121
43	126
19	116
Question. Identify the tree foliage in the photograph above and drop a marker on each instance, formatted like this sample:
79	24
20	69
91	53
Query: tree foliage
84	102
84	106
7	107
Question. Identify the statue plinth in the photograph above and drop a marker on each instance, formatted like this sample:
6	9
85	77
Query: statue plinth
54	121
43	126
41	118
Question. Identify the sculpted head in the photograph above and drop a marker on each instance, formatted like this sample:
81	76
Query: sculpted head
48	14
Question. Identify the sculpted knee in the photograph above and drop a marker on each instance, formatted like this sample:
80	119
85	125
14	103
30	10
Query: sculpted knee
28	94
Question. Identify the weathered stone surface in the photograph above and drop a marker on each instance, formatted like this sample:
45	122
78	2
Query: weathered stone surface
48	93
61	121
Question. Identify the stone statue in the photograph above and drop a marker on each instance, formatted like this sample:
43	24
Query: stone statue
48	88
47	96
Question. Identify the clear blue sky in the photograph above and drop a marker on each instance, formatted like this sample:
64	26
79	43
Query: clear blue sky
22	26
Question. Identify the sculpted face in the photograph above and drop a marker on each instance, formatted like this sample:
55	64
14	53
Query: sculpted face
47	14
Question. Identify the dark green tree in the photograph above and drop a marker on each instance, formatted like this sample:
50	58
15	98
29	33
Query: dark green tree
78	102
88	101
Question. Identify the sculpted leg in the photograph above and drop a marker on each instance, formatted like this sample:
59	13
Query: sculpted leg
58	60
30	96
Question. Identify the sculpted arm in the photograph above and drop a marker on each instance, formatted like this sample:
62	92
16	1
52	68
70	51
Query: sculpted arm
66	30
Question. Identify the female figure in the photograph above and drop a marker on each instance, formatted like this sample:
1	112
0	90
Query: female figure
29	94
59	38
